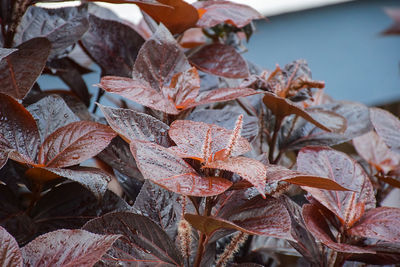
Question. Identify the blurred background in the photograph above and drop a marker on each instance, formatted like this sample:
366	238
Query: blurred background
341	40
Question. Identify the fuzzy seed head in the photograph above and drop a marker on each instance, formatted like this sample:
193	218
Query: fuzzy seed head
230	250
185	237
234	136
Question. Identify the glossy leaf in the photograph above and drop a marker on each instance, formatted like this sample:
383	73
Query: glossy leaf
227	119
209	225
358	123
387	126
143	241
216	12
379	223
189	137
276	173
62	26
159	59
166	169
177	15
372	148
93	179
317	225
15	78
10	254
249	169
161	206
18	130
67	248
282	107
112	45
220	60
133	125
74	143
51	113
326	162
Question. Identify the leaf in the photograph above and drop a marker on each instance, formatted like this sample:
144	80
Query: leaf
133	125
10	254
74	143
63	27
51	113
358	123
372	148
18	130
161	206
93	179
221	60
386	253
177	15
276	173
15	78
4	52
387	127
67	248
112	45
342	169
394	14
282	107
227	119
249	169
164	168
159	59
317	225
216	12
379	223
143	241
209	225
189	137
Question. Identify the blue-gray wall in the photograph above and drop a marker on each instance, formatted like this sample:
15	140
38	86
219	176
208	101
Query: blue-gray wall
342	46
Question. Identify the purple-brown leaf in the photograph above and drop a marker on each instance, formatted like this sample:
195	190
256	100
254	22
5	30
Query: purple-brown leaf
16	78
74	143
318	226
387	127
379	223
143	243
67	248
348	206
10	254
216	12
220	60
166	169
132	125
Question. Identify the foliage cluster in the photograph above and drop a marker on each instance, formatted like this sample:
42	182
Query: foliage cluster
205	159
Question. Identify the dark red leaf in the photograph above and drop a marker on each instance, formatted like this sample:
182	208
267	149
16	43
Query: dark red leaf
161	206
159	59
9	250
189	136
221	60
387	126
193	37
133	125
51	113
379	223
166	169
93	179
282	107
63	27
216	12
143	241
276	173
372	148
4	52
15	78
342	169
209	225
304	133
317	225
249	169
177	16
67	248
112	45
74	143
18	131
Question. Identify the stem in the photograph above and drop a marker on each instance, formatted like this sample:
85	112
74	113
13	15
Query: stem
100	93
272	144
200	250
